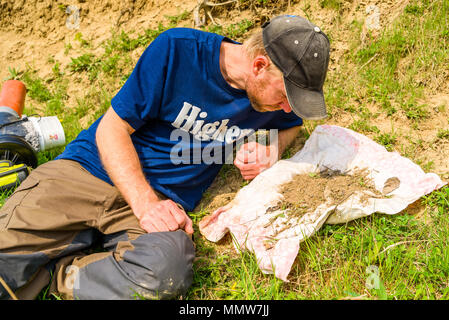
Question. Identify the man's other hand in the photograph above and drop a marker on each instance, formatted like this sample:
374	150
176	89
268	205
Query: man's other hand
253	158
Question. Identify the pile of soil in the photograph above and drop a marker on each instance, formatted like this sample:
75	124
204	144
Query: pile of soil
305	192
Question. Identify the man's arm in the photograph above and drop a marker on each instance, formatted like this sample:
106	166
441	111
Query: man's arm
122	163
253	158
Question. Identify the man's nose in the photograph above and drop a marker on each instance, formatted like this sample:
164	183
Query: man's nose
285	106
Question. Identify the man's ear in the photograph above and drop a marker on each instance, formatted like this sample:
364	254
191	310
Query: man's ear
260	65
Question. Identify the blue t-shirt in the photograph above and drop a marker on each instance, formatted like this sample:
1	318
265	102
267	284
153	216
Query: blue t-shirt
184	114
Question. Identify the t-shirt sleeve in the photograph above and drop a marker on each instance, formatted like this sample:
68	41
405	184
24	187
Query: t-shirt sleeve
139	100
282	120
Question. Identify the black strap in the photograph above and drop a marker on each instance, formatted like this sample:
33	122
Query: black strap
8	172
13	122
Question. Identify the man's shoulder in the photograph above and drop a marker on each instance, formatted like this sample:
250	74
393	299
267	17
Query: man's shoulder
189	34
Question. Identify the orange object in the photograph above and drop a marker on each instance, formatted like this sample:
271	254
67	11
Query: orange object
13	95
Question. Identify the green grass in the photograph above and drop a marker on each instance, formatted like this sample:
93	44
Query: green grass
331	4
392	70
443	134
233	31
388	140
410	253
363	126
404	41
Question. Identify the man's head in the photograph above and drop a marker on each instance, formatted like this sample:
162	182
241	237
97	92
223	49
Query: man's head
289	58
265	85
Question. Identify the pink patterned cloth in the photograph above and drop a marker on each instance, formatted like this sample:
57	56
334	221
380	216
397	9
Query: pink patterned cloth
266	232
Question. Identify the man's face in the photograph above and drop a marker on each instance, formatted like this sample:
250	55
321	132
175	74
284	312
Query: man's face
267	93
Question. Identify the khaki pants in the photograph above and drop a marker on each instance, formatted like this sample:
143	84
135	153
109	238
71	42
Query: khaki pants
61	210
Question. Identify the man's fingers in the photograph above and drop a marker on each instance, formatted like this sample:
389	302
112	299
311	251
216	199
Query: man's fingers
247	167
176	217
212	217
250	146
247	156
184	220
241	157
238	162
158	219
169	221
248	171
248	152
178	214
166	216
250	176
153	224
189	226
253	153
244	165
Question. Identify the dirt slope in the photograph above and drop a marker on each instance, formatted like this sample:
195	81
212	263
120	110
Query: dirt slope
34	31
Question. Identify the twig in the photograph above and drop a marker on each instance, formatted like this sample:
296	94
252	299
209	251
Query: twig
220	289
211	4
401	242
11	293
371	59
206	6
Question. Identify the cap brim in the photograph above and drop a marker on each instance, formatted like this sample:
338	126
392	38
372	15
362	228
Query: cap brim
306	104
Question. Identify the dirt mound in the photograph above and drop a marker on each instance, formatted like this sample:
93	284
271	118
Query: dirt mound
47	17
305	192
34	32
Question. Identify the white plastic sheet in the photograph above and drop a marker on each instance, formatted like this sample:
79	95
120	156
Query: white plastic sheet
332	147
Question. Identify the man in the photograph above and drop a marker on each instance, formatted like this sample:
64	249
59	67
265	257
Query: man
117	183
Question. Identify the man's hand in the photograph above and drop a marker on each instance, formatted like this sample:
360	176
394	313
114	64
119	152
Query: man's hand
163	215
125	171
253	158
